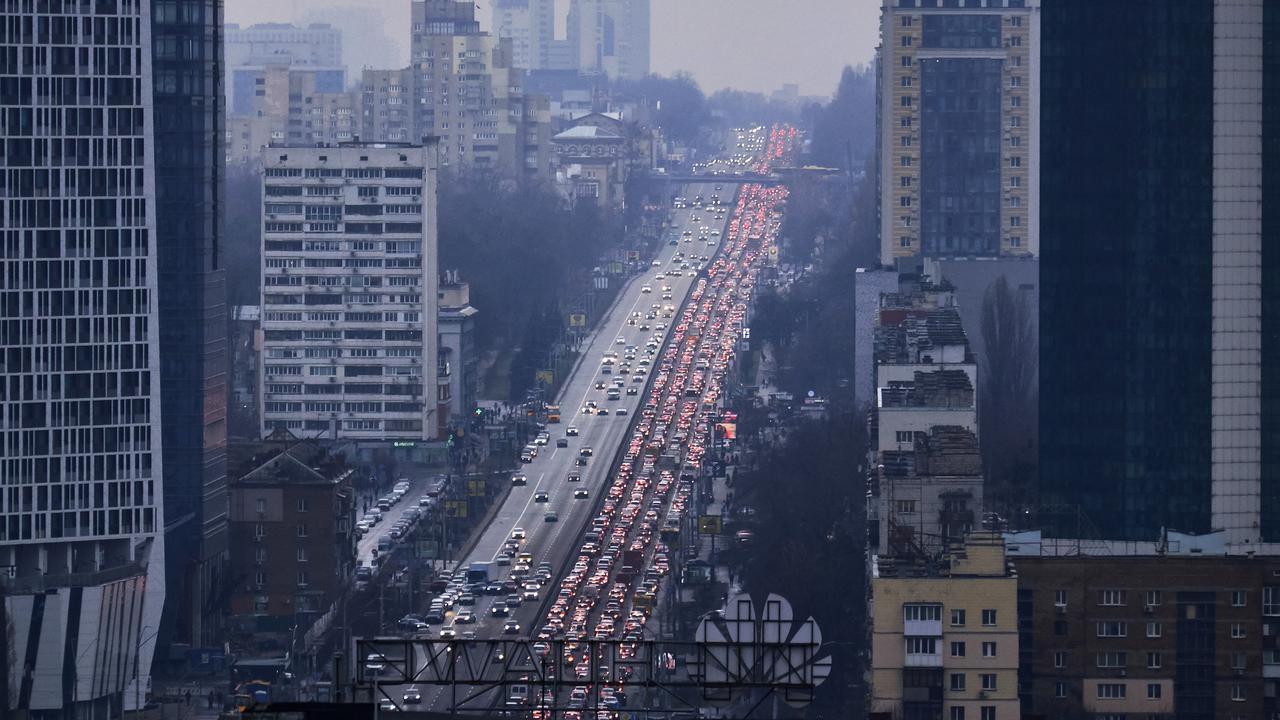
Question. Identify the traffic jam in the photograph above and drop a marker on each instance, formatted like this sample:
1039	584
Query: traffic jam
612	586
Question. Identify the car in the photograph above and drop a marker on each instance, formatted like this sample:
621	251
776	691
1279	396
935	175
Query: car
574	476
466	599
620	341
632	391
656	263
541	497
511	627
412	697
526	456
499	609
517	533
571	431
551	517
464	617
620	411
646	289
468	634
586	451
581	494
580	461
519	480
448	632
529	595
562	442
503	559
602	411
600	385
542	438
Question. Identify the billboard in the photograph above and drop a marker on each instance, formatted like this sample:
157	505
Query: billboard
727	430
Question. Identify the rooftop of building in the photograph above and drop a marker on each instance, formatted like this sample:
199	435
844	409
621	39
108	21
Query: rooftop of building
586	132
909	334
981	555
933	389
282	459
946	450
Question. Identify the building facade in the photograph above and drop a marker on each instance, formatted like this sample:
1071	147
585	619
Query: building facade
460	359
386	105
293	545
282	104
467	91
1158	407
609	37
349	297
318	45
944	640
189	189
530	24
958	123
83	491
1154	636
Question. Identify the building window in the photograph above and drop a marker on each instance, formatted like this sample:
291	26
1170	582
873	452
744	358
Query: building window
905	101
302	530
906	161
906	141
906	121
1015	181
904	201
988	712
1015	121
1060	659
906	81
903	436
989	618
957	649
1060	598
922	646
906	41
1111	691
259	531
906	21
957	712
906	61
921	611
259	578
904	241
1015	101
1153	691
904	507
1238	661
988	681
302	505
1237	631
1239	598
1112	659
957	617
1153	629
302	578
302	554
1015	162
1153	661
1015	141
1152	598
957	682
1015	221
260	505
988	649
1271	600
1113	628
1060	690
1237	693
905	181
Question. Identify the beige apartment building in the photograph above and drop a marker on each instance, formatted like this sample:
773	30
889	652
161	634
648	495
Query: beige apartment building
944	636
958	118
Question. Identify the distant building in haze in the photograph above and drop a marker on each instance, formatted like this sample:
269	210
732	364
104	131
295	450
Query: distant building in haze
958	115
316	45
1159	309
288	104
530	24
610	37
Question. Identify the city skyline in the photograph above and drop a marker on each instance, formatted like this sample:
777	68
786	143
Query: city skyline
695	37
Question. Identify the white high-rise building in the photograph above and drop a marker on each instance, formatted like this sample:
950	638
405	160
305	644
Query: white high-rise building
82	585
531	26
349	293
610	37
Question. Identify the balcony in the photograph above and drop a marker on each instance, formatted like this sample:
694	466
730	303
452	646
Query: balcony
923	660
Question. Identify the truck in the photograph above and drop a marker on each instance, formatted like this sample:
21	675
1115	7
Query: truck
553	414
634	558
478	572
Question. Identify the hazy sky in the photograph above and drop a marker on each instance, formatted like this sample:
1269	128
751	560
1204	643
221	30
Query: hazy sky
747	44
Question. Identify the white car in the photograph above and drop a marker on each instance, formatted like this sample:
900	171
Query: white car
646	289
656	263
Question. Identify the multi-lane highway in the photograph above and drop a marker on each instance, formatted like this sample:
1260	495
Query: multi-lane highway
671	337
633	326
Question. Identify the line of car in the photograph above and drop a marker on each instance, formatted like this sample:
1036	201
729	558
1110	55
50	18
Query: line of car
612	586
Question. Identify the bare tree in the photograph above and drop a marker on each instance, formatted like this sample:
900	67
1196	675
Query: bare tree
1007	414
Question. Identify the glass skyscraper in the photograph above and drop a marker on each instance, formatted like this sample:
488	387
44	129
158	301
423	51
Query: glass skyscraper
1154	292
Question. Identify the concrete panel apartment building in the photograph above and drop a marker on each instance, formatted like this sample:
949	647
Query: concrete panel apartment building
350	348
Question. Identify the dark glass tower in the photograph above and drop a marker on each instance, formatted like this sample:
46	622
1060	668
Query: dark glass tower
189	159
1150	282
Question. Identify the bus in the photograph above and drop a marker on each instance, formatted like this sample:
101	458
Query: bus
553	414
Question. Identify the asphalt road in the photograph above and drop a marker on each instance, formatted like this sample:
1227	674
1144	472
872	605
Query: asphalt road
553	541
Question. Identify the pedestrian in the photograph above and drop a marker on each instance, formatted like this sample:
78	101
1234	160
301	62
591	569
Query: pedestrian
212	694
